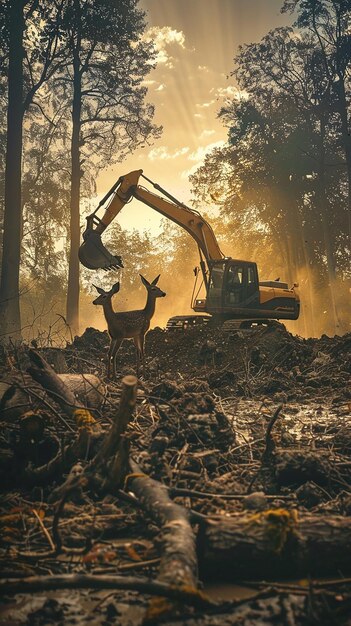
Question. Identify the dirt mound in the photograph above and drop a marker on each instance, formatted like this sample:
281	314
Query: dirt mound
265	361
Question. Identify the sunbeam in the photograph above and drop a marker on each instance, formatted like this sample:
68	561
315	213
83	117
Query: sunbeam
197	42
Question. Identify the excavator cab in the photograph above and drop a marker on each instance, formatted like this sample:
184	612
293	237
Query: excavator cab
234	292
232	285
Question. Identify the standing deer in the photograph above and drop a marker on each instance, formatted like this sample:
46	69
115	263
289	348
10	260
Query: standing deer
128	324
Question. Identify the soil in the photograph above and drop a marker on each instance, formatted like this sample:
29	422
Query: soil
203	411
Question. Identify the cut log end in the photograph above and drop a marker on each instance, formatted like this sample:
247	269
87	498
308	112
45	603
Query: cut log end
130	380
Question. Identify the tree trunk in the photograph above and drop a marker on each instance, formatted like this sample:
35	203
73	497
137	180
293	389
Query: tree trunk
310	316
275	544
306	271
10	319
73	268
346	138
293	240
307	275
325	218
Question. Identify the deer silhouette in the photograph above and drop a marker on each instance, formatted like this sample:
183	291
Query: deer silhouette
128	324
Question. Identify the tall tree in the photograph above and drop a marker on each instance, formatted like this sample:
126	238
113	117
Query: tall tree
106	66
9	288
283	165
329	21
292	66
45	199
30	55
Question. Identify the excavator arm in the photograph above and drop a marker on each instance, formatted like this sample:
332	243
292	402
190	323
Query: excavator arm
94	255
233	290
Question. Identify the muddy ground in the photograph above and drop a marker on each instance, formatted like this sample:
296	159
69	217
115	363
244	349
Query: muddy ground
201	421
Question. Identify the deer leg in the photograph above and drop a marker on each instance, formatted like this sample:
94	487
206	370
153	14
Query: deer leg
112	344
138	353
116	347
142	352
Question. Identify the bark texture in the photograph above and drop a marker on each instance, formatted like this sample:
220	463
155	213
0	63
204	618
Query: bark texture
178	565
73	267
10	319
275	544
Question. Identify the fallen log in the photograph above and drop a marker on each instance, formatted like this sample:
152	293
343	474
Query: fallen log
88	428
178	565
57	389
274	544
19	394
88	388
108	468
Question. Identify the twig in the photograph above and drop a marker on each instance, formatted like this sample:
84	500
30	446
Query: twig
269	448
176	492
34	584
75	484
44	529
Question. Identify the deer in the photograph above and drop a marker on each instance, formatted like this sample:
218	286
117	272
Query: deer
128	324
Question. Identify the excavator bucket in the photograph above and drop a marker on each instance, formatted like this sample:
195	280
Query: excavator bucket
93	254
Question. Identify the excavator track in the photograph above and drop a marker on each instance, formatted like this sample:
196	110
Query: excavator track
248	326
184	322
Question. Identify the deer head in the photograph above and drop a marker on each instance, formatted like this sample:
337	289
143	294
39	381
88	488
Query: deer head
105	296
152	289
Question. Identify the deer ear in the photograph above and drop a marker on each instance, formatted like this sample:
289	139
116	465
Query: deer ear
100	290
115	288
155	281
144	281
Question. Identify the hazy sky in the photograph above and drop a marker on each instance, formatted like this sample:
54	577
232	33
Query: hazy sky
196	42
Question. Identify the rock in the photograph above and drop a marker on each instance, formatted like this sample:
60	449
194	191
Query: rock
309	494
256	501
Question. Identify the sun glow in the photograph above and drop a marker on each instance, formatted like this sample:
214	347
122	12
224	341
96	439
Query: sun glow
196	42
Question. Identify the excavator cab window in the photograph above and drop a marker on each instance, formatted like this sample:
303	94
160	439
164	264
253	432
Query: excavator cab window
234	285
215	288
240	285
252	281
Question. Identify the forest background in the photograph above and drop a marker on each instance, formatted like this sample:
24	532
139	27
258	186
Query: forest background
74	77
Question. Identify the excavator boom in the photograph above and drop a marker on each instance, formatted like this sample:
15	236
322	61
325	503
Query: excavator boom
94	255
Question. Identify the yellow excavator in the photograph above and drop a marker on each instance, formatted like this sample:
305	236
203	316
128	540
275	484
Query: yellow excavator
233	290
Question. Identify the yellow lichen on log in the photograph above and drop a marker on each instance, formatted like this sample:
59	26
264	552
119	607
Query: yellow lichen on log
276	525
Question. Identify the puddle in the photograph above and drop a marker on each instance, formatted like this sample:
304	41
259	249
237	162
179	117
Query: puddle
307	423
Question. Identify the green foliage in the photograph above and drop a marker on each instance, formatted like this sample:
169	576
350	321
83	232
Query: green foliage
281	182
